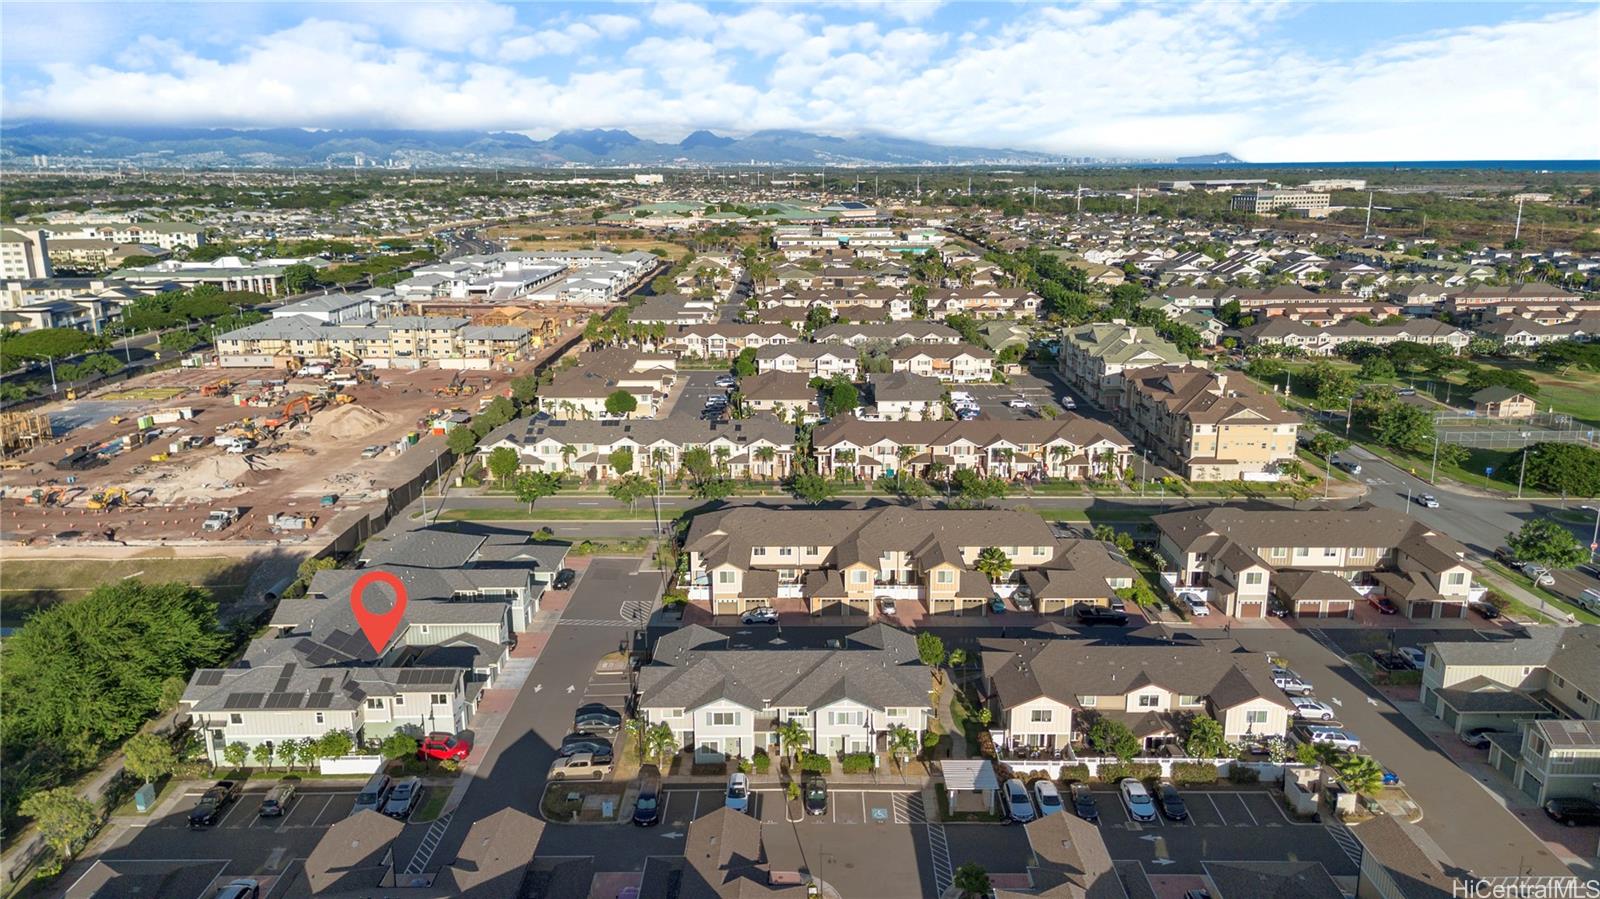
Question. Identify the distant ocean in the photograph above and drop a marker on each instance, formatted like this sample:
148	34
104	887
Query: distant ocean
1515	165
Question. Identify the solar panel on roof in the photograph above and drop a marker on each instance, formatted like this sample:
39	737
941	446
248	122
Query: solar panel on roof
243	701
208	678
283	701
319	701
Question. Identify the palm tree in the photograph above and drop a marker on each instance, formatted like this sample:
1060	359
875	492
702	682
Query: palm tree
722	454
1060	452
902	743
792	737
660	743
766	455
567	452
636	728
1007	455
994	563
1107	459
1361	773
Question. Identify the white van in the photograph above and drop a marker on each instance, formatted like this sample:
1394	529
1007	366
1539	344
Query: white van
1589	599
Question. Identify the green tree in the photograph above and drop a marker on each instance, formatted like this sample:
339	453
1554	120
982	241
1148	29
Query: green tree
235	754
1377	368
309	567
499	411
262	755
299	278
1546	543
840	397
503	463
1205	739
1570	469
705	479
462	440
902	743
64	819
930	649
744	364
310	751
976	489
631	488
532	486
289	753
1113	738
1333	386
1361	773
621	402
1403	426
335	744
398	745
994	563
149	756
622	460
810	487
792	737
660	743
525	389
972	880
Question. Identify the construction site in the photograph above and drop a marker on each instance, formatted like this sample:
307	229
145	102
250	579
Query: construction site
199	455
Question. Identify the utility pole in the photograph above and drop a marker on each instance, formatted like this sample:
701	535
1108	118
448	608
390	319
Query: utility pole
1136	188
1079	196
1367	231
969	184
919	185
1517	234
1035	195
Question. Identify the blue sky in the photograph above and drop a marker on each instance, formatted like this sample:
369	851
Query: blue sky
1265	81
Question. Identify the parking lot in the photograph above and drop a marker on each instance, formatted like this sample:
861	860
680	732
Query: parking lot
1223	825
689	397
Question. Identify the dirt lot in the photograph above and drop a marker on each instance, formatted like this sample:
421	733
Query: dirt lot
287	472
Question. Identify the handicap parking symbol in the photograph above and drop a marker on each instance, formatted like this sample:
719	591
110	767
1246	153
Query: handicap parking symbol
880	814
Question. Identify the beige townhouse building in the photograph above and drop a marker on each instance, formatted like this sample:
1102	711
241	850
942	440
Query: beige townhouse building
956	363
1066	448
1095	358
1209	426
758	447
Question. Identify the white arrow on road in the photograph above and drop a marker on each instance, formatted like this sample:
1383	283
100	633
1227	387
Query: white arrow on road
570	688
1150	837
1335	701
538	687
1162	861
672	835
1371	701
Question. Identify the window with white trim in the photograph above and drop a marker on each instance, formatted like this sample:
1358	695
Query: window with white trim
1149	701
847	718
1040	716
722	719
1255	716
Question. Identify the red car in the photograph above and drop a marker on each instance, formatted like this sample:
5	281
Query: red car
439	746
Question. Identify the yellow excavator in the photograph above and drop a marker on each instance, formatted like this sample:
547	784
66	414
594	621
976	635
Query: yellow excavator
109	498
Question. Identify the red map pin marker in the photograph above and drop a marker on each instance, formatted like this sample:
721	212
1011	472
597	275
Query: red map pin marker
378	626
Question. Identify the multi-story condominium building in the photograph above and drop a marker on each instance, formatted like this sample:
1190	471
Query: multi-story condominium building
1524	333
24	254
788	395
902	396
1095	357
1210	426
330	309
1284	300
1421	299
757	447
402	341
263	276
82	313
674	309
723	702
956	363
1315	563
840	561
810	359
1069	448
888	333
99	255
581	391
1542	695
1469	303
166	235
724	340
1313	204
1325	340
1047	694
315	671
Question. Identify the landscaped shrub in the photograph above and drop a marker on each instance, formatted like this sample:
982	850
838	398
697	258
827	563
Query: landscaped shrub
812	763
1194	773
985	744
1239	774
762	762
1137	770
1072	773
857	763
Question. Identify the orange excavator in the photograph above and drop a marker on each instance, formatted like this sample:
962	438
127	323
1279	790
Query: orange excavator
301	403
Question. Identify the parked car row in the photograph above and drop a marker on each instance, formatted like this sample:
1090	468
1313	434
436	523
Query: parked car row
381	793
587	751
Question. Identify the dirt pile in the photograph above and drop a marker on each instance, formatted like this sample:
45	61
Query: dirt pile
348	422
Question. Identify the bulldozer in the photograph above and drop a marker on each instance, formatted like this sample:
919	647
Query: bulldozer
458	386
217	388
344	399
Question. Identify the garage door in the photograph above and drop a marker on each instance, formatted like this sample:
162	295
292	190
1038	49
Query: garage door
1308	609
1254	609
1531	785
1451	610
1507	763
1341	609
1451	716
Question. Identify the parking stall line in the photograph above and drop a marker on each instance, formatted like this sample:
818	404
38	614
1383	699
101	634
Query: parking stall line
863	797
1220	816
1247	811
232	810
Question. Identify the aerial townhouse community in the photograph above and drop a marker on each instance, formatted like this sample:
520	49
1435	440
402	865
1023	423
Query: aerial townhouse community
757	447
1070	448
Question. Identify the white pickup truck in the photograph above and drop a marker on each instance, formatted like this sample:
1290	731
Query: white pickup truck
219	519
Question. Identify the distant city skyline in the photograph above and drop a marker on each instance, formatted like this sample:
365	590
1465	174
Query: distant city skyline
1265	82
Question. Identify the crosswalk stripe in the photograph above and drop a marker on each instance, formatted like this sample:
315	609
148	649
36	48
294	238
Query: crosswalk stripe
939	852
1346	840
430	842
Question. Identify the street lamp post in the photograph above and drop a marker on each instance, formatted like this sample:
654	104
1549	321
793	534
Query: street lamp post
1523	470
1327	476
1144	473
1433	472
52	361
1595	537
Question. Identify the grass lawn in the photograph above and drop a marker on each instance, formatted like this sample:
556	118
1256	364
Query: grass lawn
164	788
31	585
432	804
521	513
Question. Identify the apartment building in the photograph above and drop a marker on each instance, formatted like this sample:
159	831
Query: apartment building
903	396
469	592
1554	673
1095	358
99	255
402	341
1066	448
1047	693
581	391
787	395
757	447
724	340
723	702
1325	340
1310	203
166	235
1314	563
24	254
263	276
809	359
1475	302
955	363
840	561
857	335
1526	333
1209	426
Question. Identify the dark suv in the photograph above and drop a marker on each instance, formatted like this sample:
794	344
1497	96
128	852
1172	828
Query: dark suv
1088	614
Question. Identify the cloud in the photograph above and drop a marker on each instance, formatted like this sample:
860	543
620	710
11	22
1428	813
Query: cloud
1084	79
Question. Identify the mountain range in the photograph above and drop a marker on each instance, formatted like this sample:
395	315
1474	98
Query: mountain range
599	147
157	145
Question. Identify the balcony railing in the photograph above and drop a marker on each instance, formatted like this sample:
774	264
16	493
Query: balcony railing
897	591
699	593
